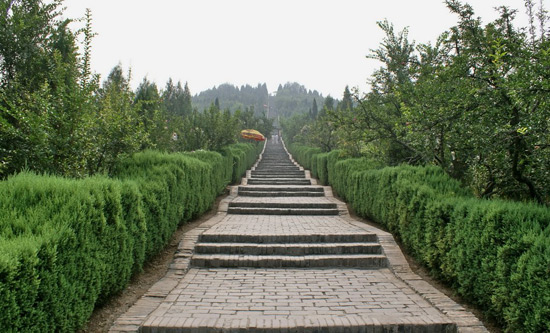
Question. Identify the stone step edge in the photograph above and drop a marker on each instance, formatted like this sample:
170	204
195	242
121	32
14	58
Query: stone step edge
282	188
266	261
282	211
286	238
277	182
290	205
291	249
277	176
280	194
301	324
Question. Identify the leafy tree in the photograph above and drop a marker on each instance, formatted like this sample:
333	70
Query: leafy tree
473	103
119	129
149	106
45	91
294	127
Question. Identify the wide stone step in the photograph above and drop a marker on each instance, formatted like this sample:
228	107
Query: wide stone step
277	164
286	172
276	154
360	324
275	158
280	167
258	194
282	189
288	164
295	170
231	261
245	204
288	249
282	211
277	175
279	181
289	239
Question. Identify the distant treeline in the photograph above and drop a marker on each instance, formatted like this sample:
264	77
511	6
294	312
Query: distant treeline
291	98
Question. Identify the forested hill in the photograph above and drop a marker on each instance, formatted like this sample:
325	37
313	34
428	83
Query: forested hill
288	99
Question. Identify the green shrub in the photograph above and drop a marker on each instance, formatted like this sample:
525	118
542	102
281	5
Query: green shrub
303	154
67	245
73	251
496	254
321	171
244	155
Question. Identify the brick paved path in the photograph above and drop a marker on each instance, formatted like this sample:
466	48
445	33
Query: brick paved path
283	254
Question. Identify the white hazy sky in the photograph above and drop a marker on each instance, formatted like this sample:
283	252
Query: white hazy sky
321	44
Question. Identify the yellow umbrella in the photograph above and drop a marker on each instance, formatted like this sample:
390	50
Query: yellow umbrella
252	134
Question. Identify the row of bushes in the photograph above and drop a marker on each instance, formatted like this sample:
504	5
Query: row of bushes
66	245
496	254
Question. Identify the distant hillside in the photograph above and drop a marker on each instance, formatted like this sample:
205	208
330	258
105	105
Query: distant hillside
290	98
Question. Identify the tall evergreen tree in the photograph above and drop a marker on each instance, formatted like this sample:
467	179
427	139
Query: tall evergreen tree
186	100
314	109
347	102
150	108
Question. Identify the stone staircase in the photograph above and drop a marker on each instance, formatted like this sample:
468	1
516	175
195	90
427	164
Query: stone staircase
299	251
277	186
250	270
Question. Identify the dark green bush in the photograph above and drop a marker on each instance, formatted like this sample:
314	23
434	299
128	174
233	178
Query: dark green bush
67	245
321	171
73	250
494	253
303	154
244	155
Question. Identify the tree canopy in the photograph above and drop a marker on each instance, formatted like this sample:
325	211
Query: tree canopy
56	117
475	102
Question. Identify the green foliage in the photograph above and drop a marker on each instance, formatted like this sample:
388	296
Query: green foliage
67	245
177	100
304	154
293	98
294	127
45	93
232	98
474	103
243	156
118	130
55	117
495	253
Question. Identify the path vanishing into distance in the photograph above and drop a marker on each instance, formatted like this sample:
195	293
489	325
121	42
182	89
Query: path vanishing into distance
283	255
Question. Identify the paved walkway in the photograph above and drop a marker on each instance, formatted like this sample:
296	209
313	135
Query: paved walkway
284	256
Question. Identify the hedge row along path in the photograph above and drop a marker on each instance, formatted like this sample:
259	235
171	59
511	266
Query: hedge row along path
282	254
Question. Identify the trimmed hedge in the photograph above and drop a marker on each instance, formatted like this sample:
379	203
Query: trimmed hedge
67	245
496	254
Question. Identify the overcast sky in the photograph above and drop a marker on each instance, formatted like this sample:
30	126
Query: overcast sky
321	44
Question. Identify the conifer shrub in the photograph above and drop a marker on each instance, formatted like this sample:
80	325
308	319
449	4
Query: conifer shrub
67	245
305	155
64	247
222	168
244	155
321	171
495	254
333	157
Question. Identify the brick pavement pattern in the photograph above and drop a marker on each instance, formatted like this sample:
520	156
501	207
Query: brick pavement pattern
283	255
